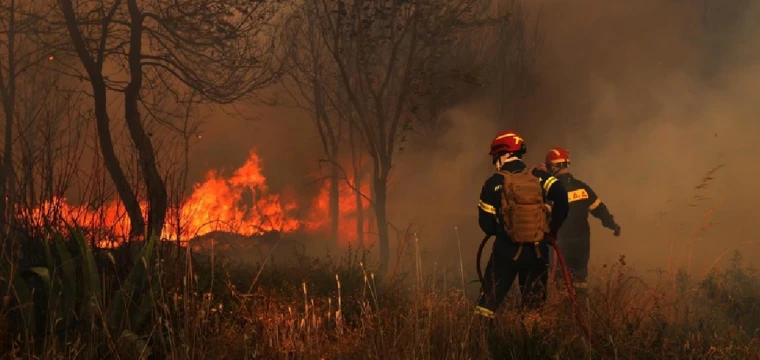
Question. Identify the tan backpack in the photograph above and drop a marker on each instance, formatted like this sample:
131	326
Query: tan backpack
523	213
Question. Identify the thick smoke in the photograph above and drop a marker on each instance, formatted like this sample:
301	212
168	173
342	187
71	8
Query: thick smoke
282	137
647	95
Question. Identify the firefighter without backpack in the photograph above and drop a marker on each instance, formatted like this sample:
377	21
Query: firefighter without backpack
523	214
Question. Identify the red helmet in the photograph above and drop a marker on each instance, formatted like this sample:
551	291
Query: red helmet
557	155
507	142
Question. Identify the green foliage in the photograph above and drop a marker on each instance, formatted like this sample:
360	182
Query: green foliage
70	292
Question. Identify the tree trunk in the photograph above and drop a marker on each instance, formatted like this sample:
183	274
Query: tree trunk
49	170
111	162
8	90
28	163
330	145
334	200
102	120
6	205
157	196
29	131
381	195
372	215
359	208
358	173
183	186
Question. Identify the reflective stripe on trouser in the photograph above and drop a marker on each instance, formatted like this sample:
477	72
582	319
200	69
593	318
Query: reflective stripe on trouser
580	285
479	310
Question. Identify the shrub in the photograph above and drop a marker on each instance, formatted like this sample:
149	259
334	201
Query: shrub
192	307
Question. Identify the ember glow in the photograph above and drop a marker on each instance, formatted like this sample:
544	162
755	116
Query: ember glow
241	203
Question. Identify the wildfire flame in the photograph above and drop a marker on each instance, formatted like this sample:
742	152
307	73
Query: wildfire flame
319	219
240	204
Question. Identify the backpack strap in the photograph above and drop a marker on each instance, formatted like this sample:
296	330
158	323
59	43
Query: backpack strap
507	173
530	170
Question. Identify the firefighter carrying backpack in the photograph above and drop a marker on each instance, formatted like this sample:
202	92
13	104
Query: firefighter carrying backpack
523	214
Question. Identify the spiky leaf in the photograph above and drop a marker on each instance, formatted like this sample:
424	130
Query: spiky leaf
90	278
125	298
21	294
68	279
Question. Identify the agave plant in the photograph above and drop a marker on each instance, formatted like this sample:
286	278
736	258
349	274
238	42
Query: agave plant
77	308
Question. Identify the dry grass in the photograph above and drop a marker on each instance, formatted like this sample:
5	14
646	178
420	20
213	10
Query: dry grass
320	309
311	308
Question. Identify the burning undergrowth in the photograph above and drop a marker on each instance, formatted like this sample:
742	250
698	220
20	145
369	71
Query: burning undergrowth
238	208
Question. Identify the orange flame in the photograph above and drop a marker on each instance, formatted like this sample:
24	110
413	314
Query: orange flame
241	204
219	204
319	217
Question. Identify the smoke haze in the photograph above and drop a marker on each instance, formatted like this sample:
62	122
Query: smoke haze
647	100
648	96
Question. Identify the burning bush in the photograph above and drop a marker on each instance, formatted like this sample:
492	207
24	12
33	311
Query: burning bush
241	204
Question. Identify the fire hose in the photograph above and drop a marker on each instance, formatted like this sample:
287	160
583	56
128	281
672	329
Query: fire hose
566	275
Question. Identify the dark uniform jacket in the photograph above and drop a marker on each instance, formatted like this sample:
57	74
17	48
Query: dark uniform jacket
490	199
583	200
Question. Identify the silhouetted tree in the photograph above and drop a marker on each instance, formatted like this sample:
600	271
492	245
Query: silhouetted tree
311	83
20	52
378	49
217	47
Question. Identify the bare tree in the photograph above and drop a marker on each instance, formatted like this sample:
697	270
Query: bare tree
49	144
184	121
19	30
517	44
453	75
311	85
216	47
378	48
46	112
358	167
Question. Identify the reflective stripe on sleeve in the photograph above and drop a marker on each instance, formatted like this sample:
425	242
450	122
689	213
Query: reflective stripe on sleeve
595	204
487	208
548	183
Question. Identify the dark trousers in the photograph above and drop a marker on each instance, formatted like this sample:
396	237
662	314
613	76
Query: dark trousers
576	250
507	262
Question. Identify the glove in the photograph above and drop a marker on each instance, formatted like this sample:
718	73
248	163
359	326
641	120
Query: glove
616	230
